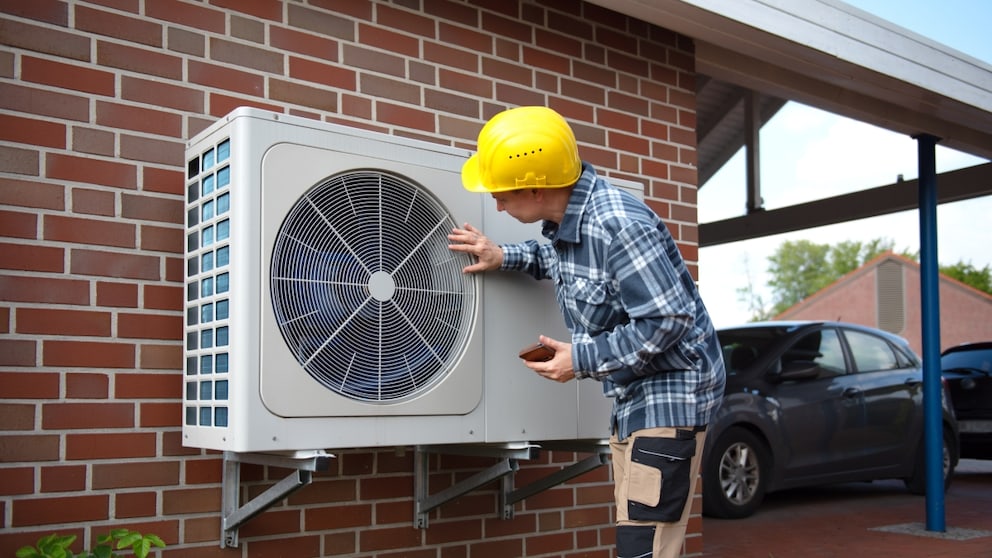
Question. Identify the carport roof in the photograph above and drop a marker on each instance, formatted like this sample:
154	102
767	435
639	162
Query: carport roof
833	56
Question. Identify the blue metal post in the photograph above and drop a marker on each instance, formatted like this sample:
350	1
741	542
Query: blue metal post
930	299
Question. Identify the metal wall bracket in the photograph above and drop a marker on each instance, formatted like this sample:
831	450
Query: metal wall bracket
234	514
503	470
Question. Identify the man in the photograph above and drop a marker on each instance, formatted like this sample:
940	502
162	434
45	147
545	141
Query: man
636	320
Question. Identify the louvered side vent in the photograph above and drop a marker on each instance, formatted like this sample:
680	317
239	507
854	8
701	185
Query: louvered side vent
891	297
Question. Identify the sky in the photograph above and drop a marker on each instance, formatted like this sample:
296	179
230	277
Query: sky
806	146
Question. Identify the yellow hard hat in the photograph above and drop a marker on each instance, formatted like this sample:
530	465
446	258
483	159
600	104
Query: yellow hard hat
523	147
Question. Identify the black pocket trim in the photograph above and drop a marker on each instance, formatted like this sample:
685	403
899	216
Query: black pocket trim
635	541
673	458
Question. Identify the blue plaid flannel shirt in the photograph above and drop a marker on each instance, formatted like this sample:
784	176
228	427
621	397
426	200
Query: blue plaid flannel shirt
637	322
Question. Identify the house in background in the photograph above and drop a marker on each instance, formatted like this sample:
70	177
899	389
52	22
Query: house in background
885	293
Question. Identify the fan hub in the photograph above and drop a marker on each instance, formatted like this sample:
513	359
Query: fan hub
382	286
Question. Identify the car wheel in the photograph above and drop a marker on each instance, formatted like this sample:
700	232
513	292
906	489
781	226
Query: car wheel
917	483
735	475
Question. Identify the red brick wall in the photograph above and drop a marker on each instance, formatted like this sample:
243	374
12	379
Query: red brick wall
96	101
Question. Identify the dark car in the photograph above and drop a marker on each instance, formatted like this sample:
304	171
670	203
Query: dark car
811	403
967	371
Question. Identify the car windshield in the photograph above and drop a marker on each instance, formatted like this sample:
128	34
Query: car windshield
979	359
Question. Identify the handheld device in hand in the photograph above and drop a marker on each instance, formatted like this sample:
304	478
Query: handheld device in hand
537	353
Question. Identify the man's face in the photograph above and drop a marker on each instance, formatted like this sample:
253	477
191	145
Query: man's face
522	205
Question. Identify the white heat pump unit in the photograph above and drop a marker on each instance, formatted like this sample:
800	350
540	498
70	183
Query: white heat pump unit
324	309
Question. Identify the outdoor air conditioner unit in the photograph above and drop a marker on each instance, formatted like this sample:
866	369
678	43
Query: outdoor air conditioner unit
324	309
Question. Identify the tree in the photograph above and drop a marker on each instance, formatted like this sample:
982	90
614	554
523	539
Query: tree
968	274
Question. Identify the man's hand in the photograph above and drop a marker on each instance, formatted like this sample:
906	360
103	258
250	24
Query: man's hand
488	254
559	368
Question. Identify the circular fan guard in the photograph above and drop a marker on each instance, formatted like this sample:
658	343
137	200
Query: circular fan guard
367	295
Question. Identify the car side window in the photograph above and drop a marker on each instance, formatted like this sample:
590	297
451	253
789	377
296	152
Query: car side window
821	347
871	353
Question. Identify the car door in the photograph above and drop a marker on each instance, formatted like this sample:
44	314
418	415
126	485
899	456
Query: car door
892	387
820	416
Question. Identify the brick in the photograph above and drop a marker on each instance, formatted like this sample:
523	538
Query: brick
371	539
221	105
86	386
449	102
321	23
90	231
139	60
316	72
186	42
118	26
405	116
130	475
348	516
14	416
239	54
44	321
374	60
151	150
45	103
204	471
91	171
161	357
18	480
175	270
29	448
17	224
302	546
28	385
162	239
163	181
45	40
157	93
32	131
93	202
151	208
67	76
63	478
24	257
509	27
149	326
17	352
466	15
172	445
466	38
109	264
227	79
148	386
44	290
303	43
4	319
190	500
120	295
389	40
26	193
410	22
19	161
207	19
114	115
49	11
247	29
273	522
163	297
94	142
61	509
135	504
466	83
109	446
69	416
383	87
318	98
87	354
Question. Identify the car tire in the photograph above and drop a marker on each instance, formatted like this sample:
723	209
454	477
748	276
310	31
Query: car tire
917	482
735	475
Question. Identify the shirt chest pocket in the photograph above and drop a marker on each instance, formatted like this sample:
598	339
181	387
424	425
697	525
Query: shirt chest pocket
593	304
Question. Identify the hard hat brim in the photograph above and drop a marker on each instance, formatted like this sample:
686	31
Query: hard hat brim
471	177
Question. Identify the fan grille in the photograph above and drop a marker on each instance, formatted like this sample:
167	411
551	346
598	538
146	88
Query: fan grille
366	293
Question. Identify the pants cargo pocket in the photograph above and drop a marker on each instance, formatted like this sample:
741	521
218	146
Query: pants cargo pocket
659	478
635	541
